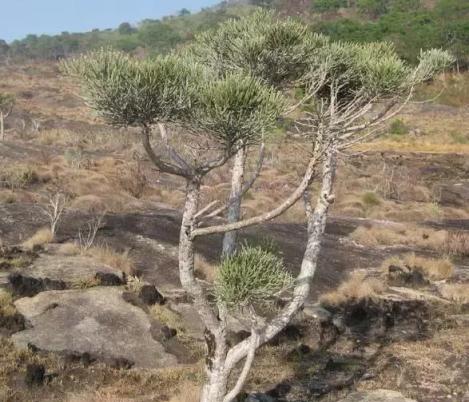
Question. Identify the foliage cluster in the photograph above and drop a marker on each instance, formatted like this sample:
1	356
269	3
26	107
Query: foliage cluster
409	24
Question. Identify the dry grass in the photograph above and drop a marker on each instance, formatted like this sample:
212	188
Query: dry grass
119	261
457	243
457	292
357	287
18	176
7	308
69	249
187	392
409	236
431	268
168	317
204	269
40	238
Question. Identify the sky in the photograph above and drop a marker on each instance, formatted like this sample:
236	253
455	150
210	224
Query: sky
22	17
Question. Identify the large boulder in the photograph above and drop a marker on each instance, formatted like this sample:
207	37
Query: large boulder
53	272
96	323
380	395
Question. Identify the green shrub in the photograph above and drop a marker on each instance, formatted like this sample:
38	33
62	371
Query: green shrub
370	199
252	277
398	127
459	138
328	5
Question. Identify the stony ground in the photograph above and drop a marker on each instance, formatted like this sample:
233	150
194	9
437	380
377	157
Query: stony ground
388	316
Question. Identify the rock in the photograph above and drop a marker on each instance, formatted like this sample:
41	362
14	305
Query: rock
150	295
108	279
168	332
380	395
28	287
455	194
259	398
60	272
317	312
35	374
97	321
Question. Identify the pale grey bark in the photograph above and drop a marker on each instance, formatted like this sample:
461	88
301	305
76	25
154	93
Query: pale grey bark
234	202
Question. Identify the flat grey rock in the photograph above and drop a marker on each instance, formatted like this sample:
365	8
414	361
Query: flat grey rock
95	321
380	395
68	269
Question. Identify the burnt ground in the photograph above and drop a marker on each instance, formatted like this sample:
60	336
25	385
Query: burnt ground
152	240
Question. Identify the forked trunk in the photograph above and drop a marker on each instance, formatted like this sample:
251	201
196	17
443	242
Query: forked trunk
234	203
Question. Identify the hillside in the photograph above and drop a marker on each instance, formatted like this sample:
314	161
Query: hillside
410	25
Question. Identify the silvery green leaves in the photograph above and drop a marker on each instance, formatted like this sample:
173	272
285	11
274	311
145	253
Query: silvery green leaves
177	90
127	91
237	108
272	49
252	277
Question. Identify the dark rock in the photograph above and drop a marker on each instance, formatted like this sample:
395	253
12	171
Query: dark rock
11	324
35	374
405	276
25	286
168	333
259	398
380	395
108	279
235	337
150	295
456	194
289	333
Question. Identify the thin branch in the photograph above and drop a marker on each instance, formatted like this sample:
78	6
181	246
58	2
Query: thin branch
247	367
287	204
162	165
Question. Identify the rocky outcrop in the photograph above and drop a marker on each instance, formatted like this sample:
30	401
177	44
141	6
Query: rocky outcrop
96	323
380	395
52	272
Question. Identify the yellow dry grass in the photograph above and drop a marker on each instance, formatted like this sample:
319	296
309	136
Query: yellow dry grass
187	392
431	268
122	262
410	236
457	292
7	308
69	249
40	238
205	269
357	287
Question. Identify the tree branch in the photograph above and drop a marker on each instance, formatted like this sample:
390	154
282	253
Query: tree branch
288	203
162	165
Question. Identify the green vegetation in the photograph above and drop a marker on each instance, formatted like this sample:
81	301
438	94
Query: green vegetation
251	277
411	25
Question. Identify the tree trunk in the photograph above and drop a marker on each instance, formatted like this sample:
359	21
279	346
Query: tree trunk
215	333
234	202
2	128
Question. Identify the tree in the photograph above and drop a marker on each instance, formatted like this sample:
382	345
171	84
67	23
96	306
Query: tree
184	12
345	82
7	101
125	29
275	51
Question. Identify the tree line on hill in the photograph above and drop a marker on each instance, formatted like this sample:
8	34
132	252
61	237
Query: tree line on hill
410	25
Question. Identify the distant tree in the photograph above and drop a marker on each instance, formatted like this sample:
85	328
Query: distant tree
373	8
328	5
7	101
125	29
184	12
4	48
159	36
